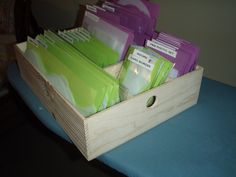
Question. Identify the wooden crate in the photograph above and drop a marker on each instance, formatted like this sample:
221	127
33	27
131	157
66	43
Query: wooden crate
116	125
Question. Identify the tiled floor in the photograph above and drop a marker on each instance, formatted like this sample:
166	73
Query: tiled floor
29	149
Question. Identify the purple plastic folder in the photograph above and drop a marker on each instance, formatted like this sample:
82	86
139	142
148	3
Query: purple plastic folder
114	19
185	45
176	55
135	16
150	9
131	21
114	35
183	53
103	13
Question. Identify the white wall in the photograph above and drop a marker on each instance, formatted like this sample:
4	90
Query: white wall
209	24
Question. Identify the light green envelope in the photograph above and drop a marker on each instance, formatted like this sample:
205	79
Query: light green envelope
141	70
83	85
33	56
91	47
163	71
82	73
113	90
73	86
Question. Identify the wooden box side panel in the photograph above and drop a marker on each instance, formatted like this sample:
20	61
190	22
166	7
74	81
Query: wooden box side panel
33	78
130	118
66	115
70	119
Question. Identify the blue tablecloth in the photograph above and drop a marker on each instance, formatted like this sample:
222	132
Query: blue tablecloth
199	142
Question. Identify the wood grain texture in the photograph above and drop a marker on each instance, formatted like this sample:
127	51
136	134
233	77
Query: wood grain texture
69	118
35	80
65	114
118	124
124	121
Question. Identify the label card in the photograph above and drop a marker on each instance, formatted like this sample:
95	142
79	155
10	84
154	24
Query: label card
161	48
100	8
142	61
109	8
91	16
91	8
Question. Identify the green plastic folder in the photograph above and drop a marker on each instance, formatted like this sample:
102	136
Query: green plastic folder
113	91
83	83
91	47
84	71
163	71
141	71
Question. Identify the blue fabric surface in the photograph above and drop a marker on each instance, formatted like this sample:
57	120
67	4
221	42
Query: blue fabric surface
200	142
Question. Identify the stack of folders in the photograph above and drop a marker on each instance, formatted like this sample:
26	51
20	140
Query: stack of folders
142	70
139	16
73	60
183	53
79	80
120	23
115	36
94	49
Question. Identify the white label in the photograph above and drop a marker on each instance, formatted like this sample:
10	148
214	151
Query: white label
91	16
42	44
161	48
170	38
146	63
167	36
110	3
32	41
66	37
84	32
139	54
72	35
49	38
91	8
77	34
82	35
109	8
100	8
170	46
